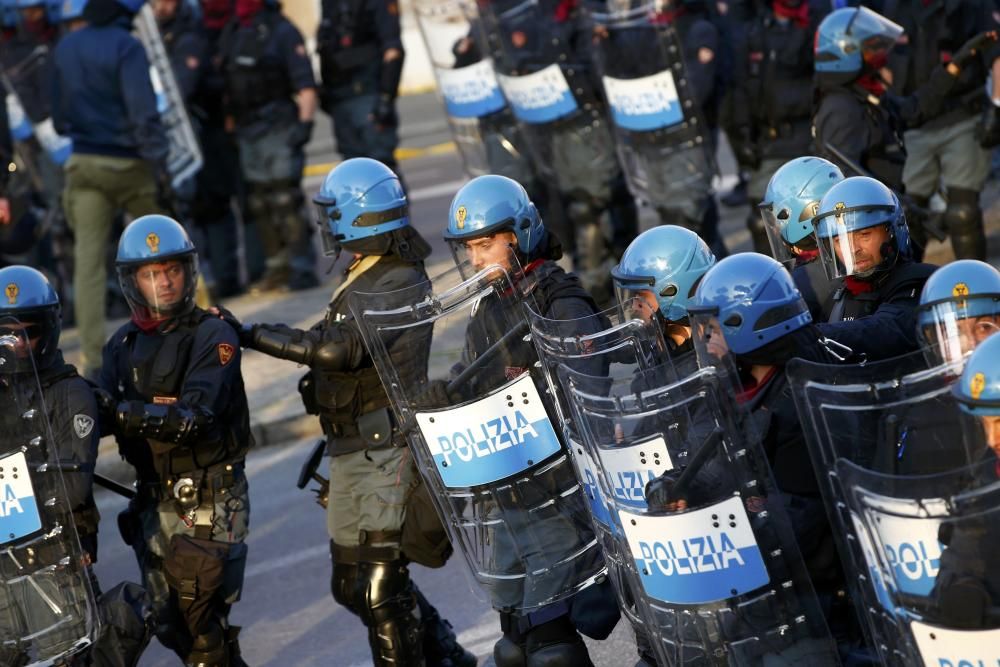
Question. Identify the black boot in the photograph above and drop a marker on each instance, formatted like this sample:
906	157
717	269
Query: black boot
441	647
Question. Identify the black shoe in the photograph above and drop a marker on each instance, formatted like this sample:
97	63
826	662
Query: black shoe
735	197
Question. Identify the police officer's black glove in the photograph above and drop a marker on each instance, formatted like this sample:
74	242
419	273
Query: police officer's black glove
436	395
972	48
384	113
244	331
106	404
301	134
659	492
988	129
164	188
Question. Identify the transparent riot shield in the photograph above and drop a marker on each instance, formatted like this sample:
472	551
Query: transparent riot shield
661	138
886	440
609	344
480	427
47	606
481	123
184	159
543	66
713	557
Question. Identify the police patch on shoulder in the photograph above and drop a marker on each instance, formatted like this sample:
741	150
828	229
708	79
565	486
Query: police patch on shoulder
226	353
83	425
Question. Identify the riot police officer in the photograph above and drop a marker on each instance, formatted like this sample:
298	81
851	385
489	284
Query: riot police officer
775	96
373	482
858	122
946	148
271	96
658	275
966	589
959	309
748	306
31	312
864	245
361	62
790	201
174	399
492	221
102	98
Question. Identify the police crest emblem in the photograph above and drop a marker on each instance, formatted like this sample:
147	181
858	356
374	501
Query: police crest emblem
12	290
977	385
460	216
153	241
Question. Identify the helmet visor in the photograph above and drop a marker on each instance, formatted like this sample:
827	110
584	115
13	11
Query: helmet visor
159	290
876	34
637	302
952	329
474	254
779	230
850	244
326	222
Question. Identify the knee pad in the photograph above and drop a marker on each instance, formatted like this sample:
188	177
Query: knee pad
383	591
343	581
386	604
555	644
257	201
508	653
963	212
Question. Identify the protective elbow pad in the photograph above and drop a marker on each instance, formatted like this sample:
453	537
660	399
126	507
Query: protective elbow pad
282	344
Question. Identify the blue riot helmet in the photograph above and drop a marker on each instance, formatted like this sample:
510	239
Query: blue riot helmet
978	389
29	310
71	10
663	264
486	206
790	202
360	202
28	4
157	268
959	309
743	304
860	229
851	40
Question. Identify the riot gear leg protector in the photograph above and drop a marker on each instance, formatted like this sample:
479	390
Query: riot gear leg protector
593	260
965	224
270	234
382	596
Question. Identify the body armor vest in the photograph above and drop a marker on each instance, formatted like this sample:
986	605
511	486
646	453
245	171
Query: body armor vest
352	404
152	369
254	78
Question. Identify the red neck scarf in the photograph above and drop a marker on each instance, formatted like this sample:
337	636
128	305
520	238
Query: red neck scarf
565	9
797	15
667	16
246	10
806	256
749	391
872	84
856	287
